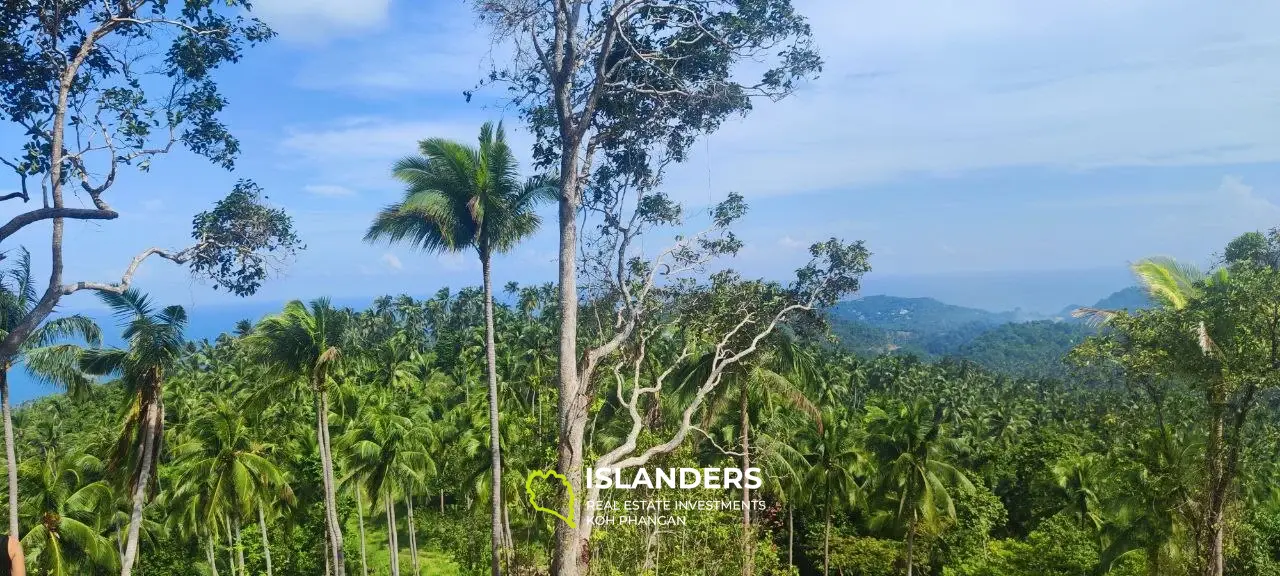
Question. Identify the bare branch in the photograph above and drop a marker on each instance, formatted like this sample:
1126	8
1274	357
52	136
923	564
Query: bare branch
17	222
180	257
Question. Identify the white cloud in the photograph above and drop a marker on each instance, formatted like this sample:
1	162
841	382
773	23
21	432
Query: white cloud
909	88
330	190
789	242
454	262
914	88
392	261
359	152
313	21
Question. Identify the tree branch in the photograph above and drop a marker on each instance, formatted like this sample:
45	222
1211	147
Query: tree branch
18	222
180	257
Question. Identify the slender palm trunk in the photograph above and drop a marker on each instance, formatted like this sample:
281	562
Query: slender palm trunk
495	444
231	547
364	560
10	454
208	554
326	465
266	542
393	539
510	538
911	540
791	536
747	559
239	547
328	558
151	422
1213	522
442	501
413	537
826	544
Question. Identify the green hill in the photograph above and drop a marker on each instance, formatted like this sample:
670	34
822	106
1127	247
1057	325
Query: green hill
1010	342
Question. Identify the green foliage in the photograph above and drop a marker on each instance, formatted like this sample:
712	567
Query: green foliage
978	473
864	556
241	239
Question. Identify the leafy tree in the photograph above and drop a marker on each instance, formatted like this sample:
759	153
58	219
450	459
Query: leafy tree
96	88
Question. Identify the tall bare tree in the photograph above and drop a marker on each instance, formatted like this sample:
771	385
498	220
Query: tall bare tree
613	91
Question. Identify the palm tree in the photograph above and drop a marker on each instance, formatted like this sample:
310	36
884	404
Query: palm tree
388	455
18	295
1076	480
228	472
772	379
459	198
303	345
1174	286
833	477
65	506
910	452
155	343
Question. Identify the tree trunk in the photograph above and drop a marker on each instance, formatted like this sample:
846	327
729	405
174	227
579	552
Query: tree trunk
413	537
393	538
208	553
791	536
239	547
747	560
495	444
911	540
10	454
826	544
151	422
266	542
1212	527
571	552
442	502
328	556
231	546
364	560
326	466
510	538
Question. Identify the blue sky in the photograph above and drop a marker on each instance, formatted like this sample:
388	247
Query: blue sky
999	138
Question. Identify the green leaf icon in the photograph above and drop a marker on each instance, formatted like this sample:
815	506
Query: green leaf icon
533	494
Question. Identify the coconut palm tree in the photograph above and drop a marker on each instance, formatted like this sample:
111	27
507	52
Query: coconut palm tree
1174	287
460	198
836	466
18	295
387	453
771	379
302	346
65	504
227	471
1076	478
154	346
910	451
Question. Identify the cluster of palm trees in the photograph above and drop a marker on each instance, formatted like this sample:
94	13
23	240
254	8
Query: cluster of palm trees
266	450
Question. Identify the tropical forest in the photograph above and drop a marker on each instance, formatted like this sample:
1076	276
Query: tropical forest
494	422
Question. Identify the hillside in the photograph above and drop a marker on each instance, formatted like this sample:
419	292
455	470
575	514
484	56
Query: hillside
1010	342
